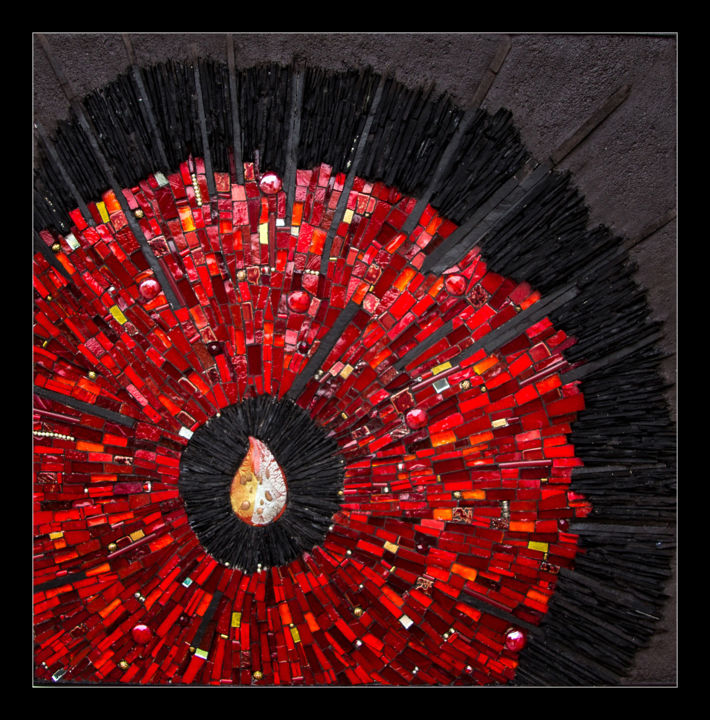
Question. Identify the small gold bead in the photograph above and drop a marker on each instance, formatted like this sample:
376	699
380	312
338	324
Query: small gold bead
357	612
112	547
123	665
457	494
92	375
257	675
465	384
138	213
56	247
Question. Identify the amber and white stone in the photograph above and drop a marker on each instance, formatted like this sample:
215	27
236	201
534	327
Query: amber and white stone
258	493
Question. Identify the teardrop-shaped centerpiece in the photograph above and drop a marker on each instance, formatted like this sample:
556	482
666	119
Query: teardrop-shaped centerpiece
261	482
258	492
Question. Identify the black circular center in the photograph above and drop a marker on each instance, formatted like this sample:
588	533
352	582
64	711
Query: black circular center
310	462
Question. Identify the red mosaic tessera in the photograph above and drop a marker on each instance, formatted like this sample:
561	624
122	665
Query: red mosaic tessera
443	554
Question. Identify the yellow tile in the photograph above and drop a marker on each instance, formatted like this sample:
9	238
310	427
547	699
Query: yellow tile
540	546
118	315
440	368
101	207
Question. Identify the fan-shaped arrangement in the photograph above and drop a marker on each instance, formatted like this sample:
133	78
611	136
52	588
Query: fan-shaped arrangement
333	386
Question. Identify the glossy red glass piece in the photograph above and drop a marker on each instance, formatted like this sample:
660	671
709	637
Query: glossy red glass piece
416	418
456	284
142	634
299	301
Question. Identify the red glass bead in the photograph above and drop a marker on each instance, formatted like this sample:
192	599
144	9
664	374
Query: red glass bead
149	288
141	634
299	301
515	639
455	284
270	184
416	418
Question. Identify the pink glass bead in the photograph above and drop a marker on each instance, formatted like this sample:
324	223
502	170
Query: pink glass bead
515	639
299	301
416	418
149	288
270	184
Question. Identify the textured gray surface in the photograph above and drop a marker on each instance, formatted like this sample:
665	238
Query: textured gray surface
625	168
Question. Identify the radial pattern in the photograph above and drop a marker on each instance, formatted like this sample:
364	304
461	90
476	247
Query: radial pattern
415	426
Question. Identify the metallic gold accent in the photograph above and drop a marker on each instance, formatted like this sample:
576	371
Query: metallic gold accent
440	368
92	375
391	547
264	233
357	612
123	665
56	248
462	514
424	584
539	546
101	207
257	675
118	315
112	547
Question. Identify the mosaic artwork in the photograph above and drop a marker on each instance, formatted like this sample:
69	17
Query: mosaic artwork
309	412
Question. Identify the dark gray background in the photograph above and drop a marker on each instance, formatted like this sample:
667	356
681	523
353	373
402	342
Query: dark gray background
552	82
